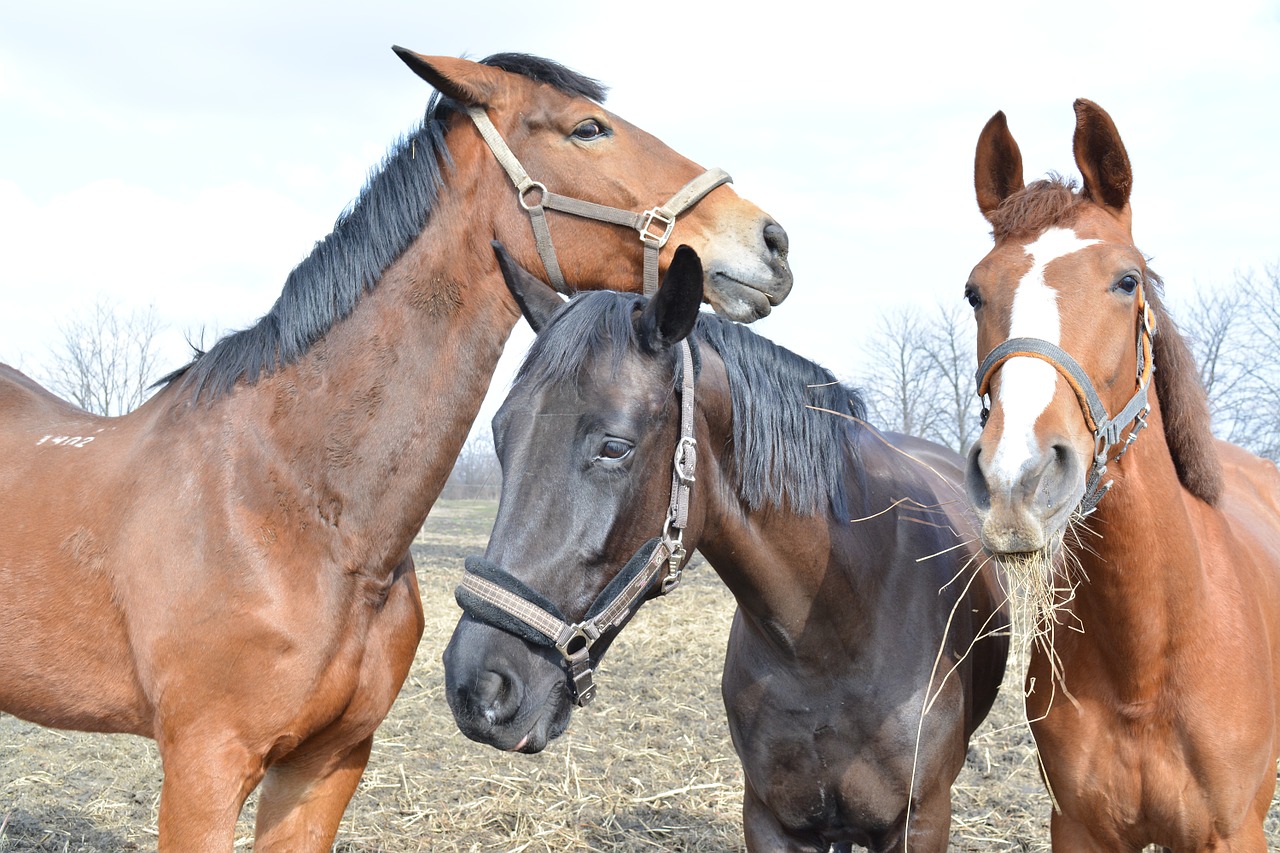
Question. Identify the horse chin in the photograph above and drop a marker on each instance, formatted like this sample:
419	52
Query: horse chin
546	728
743	301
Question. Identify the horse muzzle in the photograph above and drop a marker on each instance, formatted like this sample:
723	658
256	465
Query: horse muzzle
746	285
1027	511
502	693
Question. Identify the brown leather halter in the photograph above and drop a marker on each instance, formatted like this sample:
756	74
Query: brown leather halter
653	225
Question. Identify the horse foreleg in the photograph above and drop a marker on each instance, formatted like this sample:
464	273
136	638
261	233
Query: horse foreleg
201	797
930	825
303	799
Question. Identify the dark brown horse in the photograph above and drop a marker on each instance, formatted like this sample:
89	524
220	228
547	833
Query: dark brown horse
1153	688
863	654
225	569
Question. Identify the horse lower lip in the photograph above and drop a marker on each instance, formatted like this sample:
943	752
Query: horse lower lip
738	300
520	745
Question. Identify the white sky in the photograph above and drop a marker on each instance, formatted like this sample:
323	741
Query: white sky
188	155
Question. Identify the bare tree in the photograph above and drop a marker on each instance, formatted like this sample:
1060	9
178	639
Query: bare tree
476	473
1234	333
107	360
950	345
918	374
897	383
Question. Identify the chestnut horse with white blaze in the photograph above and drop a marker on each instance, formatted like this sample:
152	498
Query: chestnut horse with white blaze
226	568
1154	701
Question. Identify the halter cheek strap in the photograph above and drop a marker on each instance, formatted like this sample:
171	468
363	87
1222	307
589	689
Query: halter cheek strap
1106	430
654	226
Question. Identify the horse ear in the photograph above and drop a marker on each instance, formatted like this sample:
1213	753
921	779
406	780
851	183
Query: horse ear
469	82
1100	156
673	311
537	301
997	165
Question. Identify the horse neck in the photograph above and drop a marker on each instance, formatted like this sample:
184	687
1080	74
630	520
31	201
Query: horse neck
363	429
794	575
1141	559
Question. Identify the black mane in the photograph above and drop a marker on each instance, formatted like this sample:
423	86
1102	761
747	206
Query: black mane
392	209
783	449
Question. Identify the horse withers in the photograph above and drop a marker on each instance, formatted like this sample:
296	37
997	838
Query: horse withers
1151	550
226	568
869	640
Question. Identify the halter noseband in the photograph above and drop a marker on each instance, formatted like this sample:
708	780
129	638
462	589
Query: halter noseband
654	225
1106	430
492	595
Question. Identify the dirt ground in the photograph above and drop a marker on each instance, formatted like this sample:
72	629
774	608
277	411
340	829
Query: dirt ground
648	766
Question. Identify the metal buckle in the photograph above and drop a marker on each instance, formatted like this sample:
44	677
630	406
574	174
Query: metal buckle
531	186
686	449
587	632
660	216
580	672
674	569
578	659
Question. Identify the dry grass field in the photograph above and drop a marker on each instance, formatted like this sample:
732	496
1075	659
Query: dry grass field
648	767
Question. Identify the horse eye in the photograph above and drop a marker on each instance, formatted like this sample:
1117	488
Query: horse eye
588	130
615	448
972	297
1128	284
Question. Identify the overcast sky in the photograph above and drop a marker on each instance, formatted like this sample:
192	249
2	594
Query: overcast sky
187	155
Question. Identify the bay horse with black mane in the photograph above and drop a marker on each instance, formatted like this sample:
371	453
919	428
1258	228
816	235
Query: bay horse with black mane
226	568
863	653
1153	687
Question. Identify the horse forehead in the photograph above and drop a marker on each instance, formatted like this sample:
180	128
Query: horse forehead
1014	263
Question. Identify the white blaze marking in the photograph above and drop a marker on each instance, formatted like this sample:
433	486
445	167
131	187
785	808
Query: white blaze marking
1027	384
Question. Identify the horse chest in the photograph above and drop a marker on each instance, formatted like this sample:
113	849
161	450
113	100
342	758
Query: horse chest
1136	778
830	760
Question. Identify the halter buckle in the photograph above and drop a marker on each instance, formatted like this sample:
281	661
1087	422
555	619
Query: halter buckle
686	455
577	640
664	221
528	187
674	569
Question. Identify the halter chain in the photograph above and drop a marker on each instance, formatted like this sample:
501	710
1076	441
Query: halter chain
654	225
1106	430
492	595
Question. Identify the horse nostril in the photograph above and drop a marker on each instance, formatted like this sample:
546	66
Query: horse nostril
1057	479
494	697
975	481
775	237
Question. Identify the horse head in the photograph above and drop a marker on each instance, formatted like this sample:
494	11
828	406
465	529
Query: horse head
592	418
1067	312
565	145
